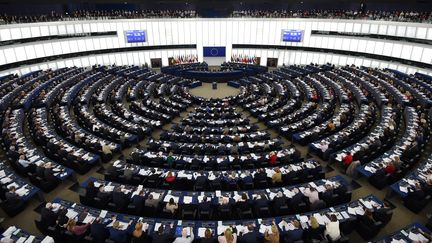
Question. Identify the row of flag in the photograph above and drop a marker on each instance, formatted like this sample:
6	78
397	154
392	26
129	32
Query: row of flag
182	59
241	58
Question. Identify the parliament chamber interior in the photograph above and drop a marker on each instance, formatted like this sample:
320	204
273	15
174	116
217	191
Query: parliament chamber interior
216	121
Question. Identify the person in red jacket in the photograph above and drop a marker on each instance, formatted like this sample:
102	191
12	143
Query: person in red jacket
170	177
272	158
390	168
348	159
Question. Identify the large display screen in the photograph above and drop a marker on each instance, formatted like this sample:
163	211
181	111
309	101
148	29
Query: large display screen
135	36
292	35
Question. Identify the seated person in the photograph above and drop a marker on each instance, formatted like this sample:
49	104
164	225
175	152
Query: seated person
170	160
171	206
78	230
62	218
390	168
367	218
184	236
48	173
380	214
119	235
98	230
163	234
106	149
170	178
23	161
12	198
272	237
250	236
277	176
416	193
229	236
295	234
347	159
201	180
138	200
48	216
119	198
312	194
91	190
332	228
103	195
205	205
247	178
140	234
331	126
314	231
208	237
273	158
261	201
151	202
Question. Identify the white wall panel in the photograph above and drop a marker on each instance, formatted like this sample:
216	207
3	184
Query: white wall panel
10	55
20	54
5	34
2	58
62	29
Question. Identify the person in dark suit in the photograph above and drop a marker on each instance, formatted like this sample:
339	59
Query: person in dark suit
224	163
12	198
40	170
416	193
260	202
103	195
91	190
279	200
315	231
247	179
205	205
201	181
48	216
250	236
49	173
119	235
196	162
119	198
163	234
243	204
62	219
367	218
295	234
153	177
98	230
296	199
340	189
138	201
327	195
381	214
260	175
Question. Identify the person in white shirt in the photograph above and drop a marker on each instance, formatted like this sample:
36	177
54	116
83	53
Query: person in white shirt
106	148
324	146
429	176
312	194
22	160
184	238
332	228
